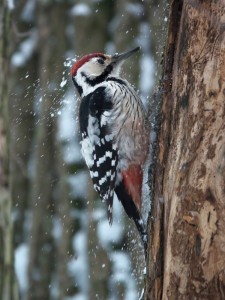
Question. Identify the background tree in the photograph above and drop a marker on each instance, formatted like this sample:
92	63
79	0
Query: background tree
186	235
8	283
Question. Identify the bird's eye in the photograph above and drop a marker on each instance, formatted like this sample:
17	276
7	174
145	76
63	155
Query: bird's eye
101	61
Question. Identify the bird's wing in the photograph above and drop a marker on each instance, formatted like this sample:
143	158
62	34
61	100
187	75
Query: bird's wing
99	150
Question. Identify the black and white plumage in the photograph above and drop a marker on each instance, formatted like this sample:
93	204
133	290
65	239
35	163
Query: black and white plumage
114	132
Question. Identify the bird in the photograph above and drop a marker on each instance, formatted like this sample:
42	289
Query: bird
114	132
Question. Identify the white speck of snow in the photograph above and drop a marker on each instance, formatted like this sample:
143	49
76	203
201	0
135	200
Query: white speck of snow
70	59
63	82
21	264
80	9
67	63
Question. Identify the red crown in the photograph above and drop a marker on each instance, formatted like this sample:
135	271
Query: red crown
83	60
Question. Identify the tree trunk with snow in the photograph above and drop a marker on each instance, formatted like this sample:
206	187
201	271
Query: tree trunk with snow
186	253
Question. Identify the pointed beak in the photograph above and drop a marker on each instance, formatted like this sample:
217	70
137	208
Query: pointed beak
116	58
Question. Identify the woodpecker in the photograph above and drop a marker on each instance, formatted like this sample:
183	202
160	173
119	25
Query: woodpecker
114	132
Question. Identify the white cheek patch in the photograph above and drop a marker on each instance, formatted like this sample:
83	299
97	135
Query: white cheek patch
91	69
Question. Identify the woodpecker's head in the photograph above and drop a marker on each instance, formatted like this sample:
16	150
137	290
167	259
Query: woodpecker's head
94	68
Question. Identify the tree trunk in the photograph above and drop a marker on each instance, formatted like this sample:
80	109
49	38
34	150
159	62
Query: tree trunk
186	257
8	286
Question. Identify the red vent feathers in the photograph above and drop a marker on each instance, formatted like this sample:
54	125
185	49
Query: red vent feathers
133	183
83	60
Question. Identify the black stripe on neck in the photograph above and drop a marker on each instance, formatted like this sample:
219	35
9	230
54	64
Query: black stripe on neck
78	87
118	80
99	78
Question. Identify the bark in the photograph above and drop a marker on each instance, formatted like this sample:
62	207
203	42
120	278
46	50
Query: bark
186	237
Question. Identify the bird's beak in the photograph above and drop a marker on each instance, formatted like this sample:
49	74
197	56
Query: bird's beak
117	58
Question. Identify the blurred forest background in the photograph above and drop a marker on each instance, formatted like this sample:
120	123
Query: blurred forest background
62	245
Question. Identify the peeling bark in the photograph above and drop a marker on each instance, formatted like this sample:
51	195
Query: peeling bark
187	242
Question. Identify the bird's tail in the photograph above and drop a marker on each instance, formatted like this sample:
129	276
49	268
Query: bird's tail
132	210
